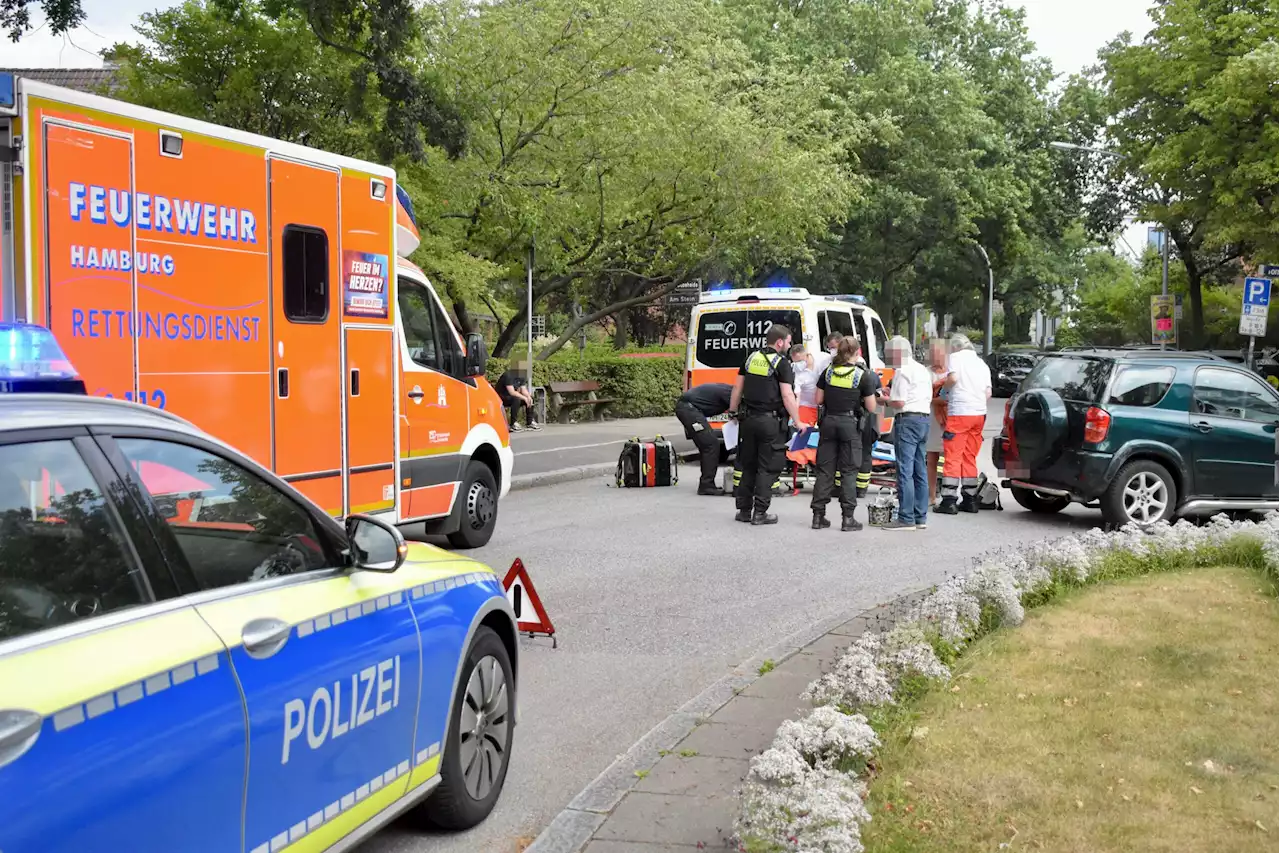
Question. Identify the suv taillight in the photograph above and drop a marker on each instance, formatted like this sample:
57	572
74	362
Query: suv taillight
1096	423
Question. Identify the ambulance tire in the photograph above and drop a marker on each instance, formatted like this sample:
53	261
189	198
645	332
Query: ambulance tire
452	805
478	511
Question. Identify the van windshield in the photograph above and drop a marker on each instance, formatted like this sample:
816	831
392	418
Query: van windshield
725	337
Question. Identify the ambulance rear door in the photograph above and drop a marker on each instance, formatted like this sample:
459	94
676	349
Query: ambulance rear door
368	343
88	179
306	317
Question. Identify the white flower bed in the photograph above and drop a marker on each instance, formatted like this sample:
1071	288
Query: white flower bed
805	793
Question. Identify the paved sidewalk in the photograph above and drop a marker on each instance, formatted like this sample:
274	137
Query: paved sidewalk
675	790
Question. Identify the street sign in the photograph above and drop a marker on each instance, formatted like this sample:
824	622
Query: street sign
1254	306
685	295
1177	308
1270	271
1163	330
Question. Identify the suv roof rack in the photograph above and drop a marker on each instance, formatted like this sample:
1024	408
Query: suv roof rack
1139	352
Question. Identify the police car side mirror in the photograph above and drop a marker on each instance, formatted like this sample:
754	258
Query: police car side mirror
374	545
477	355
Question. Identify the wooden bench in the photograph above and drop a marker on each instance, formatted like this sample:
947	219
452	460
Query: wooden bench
564	406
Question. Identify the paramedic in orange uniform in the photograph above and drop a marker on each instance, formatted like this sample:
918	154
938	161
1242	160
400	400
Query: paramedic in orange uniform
968	387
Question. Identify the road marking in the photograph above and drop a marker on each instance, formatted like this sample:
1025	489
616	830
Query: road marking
570	447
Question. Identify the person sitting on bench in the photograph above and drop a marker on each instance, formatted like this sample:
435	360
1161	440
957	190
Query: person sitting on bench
513	389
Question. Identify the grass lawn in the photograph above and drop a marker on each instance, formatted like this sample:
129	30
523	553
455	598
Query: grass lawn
1135	716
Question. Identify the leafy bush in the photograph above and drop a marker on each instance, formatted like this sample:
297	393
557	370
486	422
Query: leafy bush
642	387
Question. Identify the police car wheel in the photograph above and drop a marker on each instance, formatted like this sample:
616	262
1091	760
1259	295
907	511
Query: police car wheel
481	726
479	496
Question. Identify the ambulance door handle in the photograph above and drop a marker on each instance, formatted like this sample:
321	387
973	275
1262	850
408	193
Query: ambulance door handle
19	729
282	382
355	382
416	393
262	638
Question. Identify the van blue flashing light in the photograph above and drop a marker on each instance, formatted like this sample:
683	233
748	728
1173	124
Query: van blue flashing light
404	200
852	297
31	361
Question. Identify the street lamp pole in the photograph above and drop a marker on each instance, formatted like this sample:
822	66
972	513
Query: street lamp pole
1164	274
991	298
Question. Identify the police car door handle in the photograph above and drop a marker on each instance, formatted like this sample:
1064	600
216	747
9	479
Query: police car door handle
262	638
18	731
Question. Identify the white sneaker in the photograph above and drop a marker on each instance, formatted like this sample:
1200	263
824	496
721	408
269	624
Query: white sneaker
515	427
534	425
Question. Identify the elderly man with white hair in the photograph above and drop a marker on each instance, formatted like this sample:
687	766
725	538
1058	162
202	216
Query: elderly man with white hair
969	389
910	396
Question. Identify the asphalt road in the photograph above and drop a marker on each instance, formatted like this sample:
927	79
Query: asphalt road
655	594
557	446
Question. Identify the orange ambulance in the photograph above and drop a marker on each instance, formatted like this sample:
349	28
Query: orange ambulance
257	288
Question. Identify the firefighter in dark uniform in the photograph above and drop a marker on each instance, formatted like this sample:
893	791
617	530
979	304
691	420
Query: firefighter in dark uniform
692	409
846	393
763	397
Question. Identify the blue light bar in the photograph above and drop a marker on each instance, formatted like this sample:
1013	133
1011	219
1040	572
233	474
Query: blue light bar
408	205
31	361
852	297
721	285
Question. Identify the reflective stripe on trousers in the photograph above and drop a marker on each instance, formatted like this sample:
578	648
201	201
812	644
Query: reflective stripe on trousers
953	486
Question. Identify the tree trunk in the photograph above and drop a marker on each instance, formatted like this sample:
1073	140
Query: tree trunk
1187	254
621	323
507	340
465	324
884	305
587	319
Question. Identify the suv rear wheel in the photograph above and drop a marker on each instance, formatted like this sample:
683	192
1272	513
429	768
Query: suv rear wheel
1039	502
1142	493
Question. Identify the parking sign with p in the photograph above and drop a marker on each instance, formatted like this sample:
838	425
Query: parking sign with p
1253	311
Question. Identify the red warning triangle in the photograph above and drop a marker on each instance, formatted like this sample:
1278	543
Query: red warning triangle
531	617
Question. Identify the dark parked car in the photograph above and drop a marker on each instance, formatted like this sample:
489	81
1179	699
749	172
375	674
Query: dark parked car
1144	435
1008	369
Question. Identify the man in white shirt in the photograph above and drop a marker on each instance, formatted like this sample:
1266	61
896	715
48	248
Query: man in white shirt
969	389
910	396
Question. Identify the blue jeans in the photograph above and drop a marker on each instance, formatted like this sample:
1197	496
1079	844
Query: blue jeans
909	437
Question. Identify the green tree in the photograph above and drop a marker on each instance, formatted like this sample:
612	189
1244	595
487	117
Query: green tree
244	70
1195	106
62	16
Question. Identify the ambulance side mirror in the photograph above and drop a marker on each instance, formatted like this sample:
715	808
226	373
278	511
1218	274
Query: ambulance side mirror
374	545
477	355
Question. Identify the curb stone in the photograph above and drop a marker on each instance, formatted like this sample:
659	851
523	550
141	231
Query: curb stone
588	813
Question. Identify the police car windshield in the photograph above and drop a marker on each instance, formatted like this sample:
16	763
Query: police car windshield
725	337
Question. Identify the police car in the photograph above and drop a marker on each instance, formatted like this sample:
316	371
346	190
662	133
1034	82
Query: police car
194	657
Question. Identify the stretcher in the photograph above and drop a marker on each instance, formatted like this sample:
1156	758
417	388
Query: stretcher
802	453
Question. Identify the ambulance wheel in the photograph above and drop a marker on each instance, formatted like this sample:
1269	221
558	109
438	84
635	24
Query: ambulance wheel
479	496
478	746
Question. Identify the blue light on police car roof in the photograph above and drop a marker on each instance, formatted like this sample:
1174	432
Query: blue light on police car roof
32	360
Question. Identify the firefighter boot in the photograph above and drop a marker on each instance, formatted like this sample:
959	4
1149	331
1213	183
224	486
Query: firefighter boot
820	521
848	522
759	517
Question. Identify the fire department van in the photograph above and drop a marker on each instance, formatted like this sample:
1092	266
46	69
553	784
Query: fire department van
727	324
256	288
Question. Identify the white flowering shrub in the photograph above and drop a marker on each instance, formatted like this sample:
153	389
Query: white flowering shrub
828	738
804	794
857	680
821	814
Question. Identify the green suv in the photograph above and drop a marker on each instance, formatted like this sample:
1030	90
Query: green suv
1145	435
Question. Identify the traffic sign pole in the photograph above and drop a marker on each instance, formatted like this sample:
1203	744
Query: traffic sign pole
1253	312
